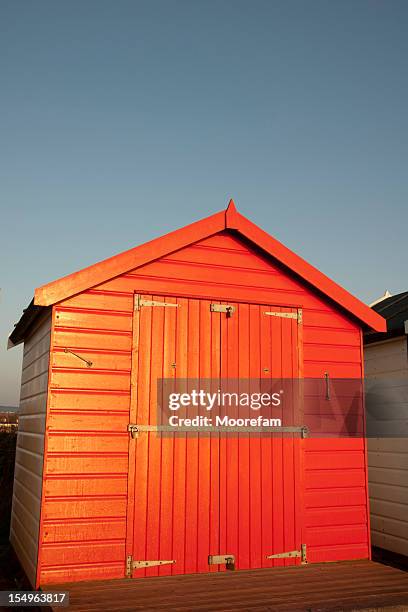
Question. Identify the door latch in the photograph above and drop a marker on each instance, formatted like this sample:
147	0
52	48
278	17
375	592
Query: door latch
228	560
133	429
227	308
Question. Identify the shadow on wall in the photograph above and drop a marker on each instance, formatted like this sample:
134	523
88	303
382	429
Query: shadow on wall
7	456
12	576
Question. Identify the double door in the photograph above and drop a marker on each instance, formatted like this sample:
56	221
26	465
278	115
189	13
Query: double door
197	498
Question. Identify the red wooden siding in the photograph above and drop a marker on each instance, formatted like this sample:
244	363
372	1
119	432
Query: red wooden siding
85	477
86	461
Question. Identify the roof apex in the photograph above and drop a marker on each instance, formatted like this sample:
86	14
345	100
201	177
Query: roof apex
229	219
231	206
231	215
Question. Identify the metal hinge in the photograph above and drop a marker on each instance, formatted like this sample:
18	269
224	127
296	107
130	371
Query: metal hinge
135	430
229	310
134	565
139	302
228	560
288	315
291	553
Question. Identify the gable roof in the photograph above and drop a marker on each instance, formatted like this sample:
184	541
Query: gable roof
394	309
231	219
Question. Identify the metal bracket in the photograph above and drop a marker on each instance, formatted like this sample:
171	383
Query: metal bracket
291	554
285	555
327	379
87	361
135	430
142	564
134	565
139	302
288	315
129	566
228	560
229	310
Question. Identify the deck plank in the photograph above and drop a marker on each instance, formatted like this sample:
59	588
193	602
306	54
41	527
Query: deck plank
350	585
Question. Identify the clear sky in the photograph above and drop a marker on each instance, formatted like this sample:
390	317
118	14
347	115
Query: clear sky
123	120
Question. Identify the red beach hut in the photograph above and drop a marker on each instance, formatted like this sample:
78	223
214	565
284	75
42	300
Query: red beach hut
91	501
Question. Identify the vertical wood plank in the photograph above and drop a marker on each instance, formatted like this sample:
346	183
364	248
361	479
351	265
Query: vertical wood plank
167	445
230	442
288	444
191	468
255	462
214	544
299	443
204	444
244	485
266	442
155	464
277	447
180	445
142	442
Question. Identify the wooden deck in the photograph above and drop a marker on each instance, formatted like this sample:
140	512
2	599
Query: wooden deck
343	586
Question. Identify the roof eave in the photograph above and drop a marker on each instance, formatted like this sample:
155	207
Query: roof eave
133	258
307	272
23	326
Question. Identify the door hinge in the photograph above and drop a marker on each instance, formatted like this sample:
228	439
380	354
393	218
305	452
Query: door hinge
228	560
134	565
291	554
139	302
298	315
229	310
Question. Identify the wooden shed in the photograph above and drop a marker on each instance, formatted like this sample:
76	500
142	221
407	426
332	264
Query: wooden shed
91	502
386	368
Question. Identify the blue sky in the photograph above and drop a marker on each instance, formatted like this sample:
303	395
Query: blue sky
120	121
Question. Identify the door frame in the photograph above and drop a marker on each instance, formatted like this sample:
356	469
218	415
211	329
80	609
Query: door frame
131	493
